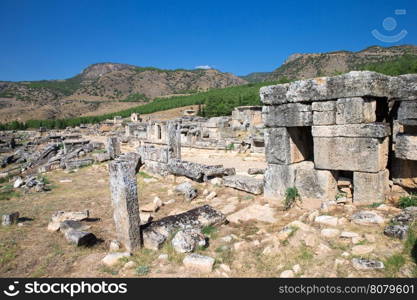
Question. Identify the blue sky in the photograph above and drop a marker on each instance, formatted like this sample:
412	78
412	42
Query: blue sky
44	39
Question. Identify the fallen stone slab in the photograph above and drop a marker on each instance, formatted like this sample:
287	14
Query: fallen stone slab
75	164
244	183
71	225
10	219
256	171
195	171
187	190
326	220
80	238
364	264
396	231
367	218
113	258
199	263
61	216
157	232
254	212
101	157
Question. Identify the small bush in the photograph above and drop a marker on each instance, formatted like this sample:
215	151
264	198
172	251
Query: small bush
408	201
291	197
142	270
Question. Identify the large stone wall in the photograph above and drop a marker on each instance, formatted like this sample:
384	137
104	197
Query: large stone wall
318	131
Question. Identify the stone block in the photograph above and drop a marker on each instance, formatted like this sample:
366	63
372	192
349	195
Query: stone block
406	147
113	147
310	183
352	130
404	173
352	84
324	112
244	183
407	113
315	184
288	115
355	110
351	154
10	219
287	145
370	187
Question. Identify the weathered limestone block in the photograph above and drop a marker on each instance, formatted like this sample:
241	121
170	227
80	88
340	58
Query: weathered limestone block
370	187
288	115
113	147
199	263
244	183
157	168
187	190
101	157
404	173
310	183
156	233
158	154
352	130
277	179
80	238
355	110
133	158
124	197
352	84
196	171
10	219
406	147
174	140
286	145
315	184
75	164
324	112
351	154
407	113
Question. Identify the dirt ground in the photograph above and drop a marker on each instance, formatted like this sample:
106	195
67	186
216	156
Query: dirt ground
246	249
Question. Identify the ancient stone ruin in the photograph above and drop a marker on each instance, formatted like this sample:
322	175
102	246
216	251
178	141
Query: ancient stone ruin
355	133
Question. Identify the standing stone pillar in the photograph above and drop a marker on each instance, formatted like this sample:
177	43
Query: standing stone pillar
113	147
124	196
174	140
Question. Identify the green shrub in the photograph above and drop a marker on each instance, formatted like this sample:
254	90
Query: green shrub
407	201
291	197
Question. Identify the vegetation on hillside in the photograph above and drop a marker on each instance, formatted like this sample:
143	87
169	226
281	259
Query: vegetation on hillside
406	64
136	97
217	102
65	87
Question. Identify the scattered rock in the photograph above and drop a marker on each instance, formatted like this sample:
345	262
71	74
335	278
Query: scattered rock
225	267
366	264
216	181
362	249
18	183
187	240
256	171
367	218
244	183
10	219
326	220
130	265
187	190
349	234
296	268
287	274
114	246
113	258
80	238
322	249
199	263
253	212
396	231
61	216
330	233
211	196
145	218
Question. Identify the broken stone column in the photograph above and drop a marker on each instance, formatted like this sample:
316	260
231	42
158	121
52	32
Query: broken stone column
174	140
113	147
124	196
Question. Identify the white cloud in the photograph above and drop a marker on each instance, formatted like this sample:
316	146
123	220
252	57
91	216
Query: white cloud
204	67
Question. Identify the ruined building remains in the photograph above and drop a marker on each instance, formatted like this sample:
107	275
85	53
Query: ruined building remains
352	135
